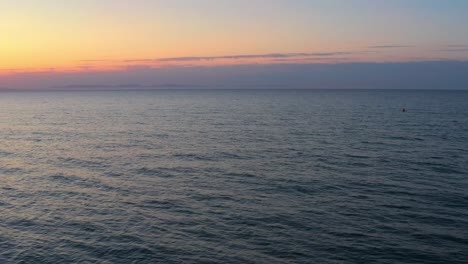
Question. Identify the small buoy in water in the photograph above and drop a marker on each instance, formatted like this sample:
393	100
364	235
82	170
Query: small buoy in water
403	110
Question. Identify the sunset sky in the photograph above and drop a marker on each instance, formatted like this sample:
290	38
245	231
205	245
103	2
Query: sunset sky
63	37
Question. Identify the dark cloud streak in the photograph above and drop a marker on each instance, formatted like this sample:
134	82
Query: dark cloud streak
457	46
133	86
455	50
239	57
390	47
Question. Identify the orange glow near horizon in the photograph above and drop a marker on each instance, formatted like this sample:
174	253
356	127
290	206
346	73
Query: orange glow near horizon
17	66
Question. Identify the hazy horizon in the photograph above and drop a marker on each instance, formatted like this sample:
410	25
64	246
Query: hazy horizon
430	75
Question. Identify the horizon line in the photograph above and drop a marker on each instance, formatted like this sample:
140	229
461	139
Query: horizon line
232	89
81	70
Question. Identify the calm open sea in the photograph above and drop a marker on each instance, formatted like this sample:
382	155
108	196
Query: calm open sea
258	176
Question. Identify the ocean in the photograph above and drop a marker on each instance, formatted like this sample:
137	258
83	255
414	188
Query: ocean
234	176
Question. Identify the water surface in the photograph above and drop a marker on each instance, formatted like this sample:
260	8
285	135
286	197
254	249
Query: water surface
262	176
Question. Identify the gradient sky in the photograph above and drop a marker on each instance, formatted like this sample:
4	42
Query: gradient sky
66	36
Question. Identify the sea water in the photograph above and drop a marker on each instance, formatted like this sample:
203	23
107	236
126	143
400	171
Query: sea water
234	176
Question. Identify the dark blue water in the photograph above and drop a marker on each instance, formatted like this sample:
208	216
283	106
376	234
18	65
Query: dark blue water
234	177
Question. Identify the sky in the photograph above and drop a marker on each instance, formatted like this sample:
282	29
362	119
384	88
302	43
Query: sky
65	44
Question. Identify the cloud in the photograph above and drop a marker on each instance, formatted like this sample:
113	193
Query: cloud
133	86
457	46
390	47
239	57
138	67
455	50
